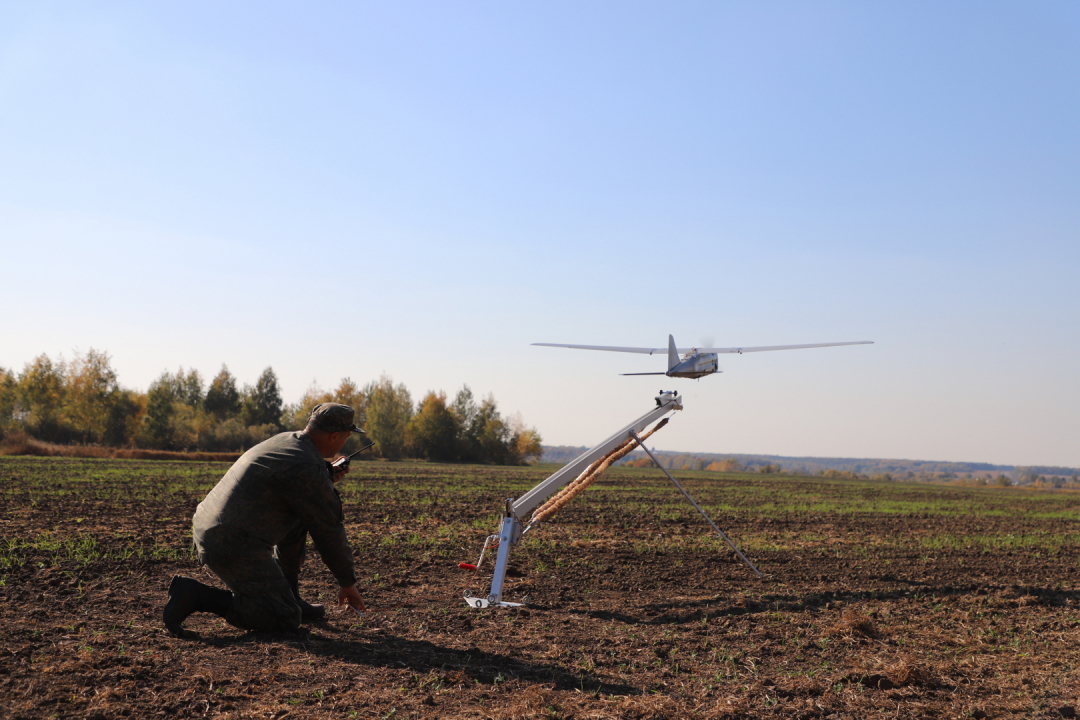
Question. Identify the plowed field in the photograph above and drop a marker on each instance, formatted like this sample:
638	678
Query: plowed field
885	600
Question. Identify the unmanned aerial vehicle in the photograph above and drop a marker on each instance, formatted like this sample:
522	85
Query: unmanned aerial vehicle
696	362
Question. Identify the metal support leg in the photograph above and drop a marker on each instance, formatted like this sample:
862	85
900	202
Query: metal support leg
509	534
507	537
703	513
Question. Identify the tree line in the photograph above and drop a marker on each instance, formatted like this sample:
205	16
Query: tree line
80	401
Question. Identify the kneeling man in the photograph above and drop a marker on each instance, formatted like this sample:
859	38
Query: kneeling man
251	531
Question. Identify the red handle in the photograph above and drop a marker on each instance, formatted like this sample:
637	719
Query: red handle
466	566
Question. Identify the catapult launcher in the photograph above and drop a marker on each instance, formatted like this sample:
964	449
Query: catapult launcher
547	498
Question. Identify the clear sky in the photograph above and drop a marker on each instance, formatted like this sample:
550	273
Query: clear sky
425	189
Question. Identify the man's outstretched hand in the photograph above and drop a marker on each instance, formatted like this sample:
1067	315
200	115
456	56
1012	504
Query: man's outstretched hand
350	596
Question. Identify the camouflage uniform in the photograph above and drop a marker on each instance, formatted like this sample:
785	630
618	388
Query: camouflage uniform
251	530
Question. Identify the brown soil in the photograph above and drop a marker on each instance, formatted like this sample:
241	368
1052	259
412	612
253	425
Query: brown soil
634	610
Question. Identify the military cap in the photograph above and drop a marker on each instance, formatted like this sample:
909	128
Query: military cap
333	417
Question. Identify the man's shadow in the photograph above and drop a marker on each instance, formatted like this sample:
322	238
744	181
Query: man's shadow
379	649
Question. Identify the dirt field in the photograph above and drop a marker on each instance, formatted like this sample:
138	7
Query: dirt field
885	600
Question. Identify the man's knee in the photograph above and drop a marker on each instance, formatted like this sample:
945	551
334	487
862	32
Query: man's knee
264	614
262	597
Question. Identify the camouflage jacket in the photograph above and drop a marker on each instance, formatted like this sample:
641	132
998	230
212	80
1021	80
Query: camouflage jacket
274	488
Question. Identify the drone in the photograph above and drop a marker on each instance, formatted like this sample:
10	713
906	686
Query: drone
696	362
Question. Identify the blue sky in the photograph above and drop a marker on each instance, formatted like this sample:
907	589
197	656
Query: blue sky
426	189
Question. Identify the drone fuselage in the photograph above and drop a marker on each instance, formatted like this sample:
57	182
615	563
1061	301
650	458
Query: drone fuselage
695	365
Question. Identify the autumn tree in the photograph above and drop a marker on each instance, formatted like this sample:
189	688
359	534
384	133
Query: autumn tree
526	445
349	393
296	414
96	408
82	401
432	433
388	411
40	397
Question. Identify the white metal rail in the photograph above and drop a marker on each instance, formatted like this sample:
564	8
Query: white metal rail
516	508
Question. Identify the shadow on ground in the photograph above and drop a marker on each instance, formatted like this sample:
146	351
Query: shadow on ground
424	657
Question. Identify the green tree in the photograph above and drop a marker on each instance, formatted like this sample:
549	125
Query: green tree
161	404
189	387
494	436
469	424
262	403
233	436
41	397
90	395
8	400
432	433
388	411
125	416
485	436
175	418
222	397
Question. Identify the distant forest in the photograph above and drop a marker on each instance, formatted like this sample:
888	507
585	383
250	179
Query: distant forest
81	402
867	468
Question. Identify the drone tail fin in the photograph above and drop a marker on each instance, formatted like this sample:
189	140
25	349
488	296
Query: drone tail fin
672	353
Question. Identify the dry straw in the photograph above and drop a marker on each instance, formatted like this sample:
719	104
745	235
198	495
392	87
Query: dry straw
22	444
588	477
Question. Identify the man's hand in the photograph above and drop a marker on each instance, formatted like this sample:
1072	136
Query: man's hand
339	470
350	596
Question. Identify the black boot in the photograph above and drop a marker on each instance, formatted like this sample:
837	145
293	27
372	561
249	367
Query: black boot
187	596
308	612
311	613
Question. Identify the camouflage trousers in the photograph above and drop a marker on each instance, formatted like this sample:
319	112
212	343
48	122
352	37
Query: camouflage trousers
263	579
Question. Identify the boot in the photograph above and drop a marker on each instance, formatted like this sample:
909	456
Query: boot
187	596
311	613
308	612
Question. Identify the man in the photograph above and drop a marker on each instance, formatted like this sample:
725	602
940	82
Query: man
251	531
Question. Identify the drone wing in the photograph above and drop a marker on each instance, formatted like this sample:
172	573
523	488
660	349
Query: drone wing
609	348
729	350
763	348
